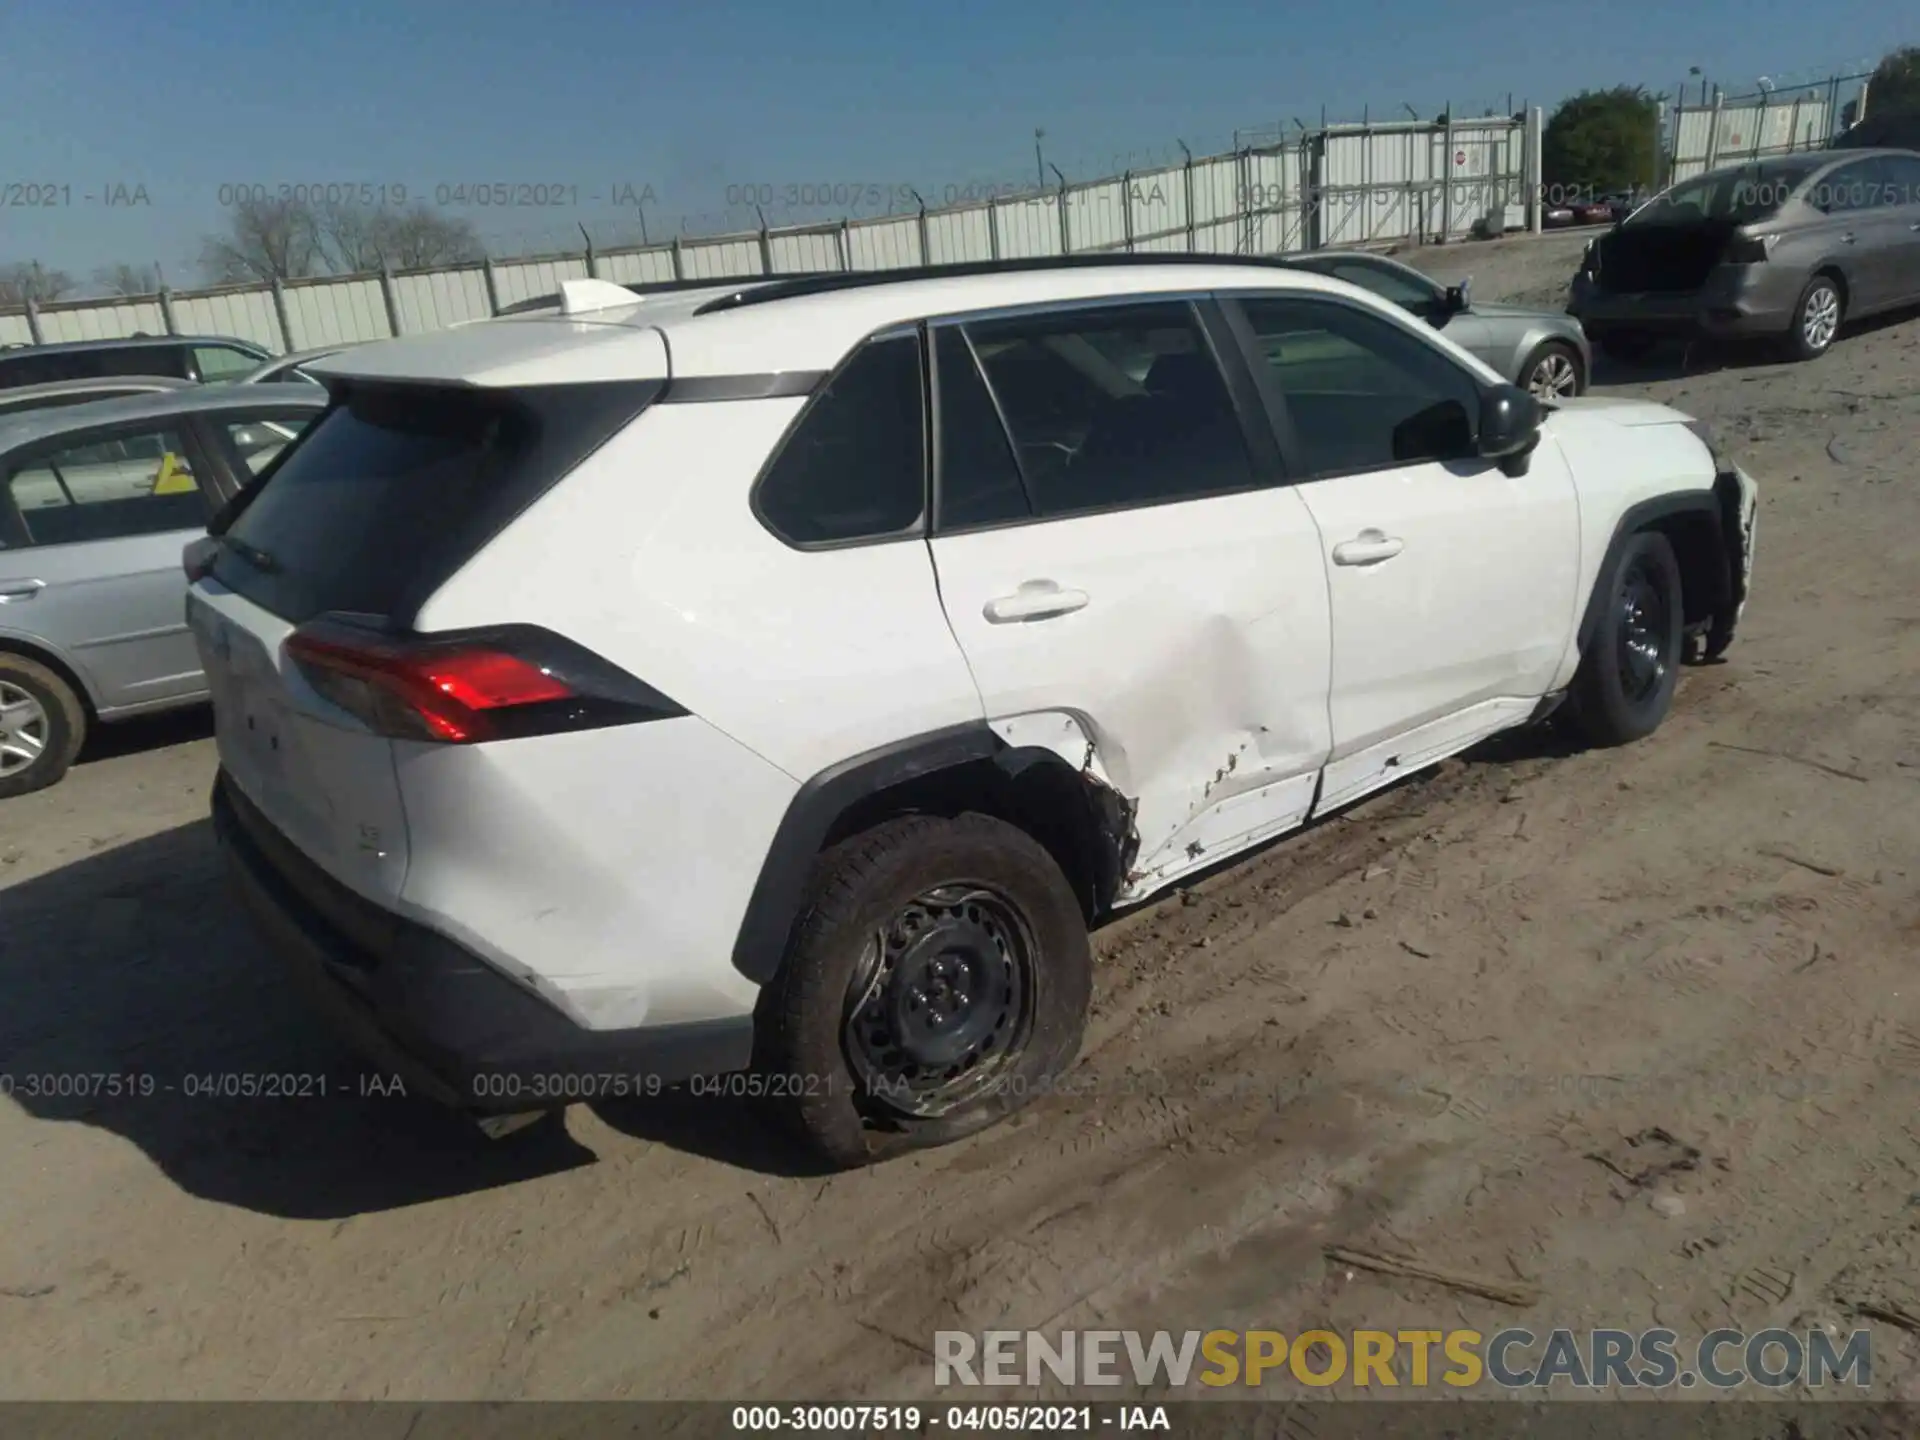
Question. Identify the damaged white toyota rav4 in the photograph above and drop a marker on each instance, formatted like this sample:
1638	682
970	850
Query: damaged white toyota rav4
776	678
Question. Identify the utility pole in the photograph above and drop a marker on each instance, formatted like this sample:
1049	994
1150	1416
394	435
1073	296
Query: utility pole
1039	164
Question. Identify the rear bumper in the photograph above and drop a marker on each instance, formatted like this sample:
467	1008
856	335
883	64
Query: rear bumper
1736	301
451	1026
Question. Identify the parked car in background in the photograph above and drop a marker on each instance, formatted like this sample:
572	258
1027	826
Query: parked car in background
784	674
185	357
1543	351
1785	249
82	392
97	502
287	367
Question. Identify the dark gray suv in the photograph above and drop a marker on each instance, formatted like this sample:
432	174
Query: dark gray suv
1785	249
184	357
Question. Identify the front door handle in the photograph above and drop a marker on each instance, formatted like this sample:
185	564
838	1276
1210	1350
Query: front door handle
1847	239
1369	547
12	590
1034	600
1915	225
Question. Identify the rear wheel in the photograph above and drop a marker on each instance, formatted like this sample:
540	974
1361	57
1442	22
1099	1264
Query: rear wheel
1553	371
42	724
1816	319
937	980
1626	680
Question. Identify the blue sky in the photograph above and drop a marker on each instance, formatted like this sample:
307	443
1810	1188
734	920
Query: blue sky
692	102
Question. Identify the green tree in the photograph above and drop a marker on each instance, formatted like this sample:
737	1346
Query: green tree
1602	140
1894	88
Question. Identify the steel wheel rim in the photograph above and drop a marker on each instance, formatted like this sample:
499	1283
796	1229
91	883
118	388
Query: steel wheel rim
1553	376
24	729
1642	650
942	999
1822	318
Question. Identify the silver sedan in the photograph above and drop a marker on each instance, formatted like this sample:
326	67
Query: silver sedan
1543	351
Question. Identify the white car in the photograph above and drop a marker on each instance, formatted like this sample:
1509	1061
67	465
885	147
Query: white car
775	679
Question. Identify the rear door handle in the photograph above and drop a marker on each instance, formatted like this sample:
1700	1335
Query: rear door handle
1369	547
1034	600
12	590
1847	239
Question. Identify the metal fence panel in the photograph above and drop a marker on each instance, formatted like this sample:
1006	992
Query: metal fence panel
810	250
885	244
530	279
243	314
1097	215
438	298
638	267
336	312
14	329
954	236
719	259
1703	137
1028	226
109	320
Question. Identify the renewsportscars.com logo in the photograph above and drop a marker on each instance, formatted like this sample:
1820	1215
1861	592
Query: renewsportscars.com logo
1514	1359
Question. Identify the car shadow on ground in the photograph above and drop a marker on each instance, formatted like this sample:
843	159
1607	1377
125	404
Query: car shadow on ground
147	732
139	1002
1683	359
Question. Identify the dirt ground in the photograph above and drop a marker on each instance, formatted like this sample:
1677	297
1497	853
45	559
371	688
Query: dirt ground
1447	1024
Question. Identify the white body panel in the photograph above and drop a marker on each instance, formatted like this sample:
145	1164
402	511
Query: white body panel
1452	584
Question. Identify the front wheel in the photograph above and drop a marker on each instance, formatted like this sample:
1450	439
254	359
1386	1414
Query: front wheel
1624	686
938	979
1553	372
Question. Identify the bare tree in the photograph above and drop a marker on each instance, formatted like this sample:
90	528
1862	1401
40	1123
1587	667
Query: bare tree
128	279
29	281
265	240
354	239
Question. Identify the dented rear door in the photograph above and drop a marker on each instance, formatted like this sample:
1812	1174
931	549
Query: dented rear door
1139	570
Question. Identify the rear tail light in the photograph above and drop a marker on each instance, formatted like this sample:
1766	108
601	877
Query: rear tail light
197	560
471	686
1747	250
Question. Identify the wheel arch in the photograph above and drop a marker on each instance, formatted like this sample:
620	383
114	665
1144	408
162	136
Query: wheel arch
56	662
1693	523
1082	822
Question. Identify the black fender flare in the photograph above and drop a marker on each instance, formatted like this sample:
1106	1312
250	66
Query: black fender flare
822	802
1706	503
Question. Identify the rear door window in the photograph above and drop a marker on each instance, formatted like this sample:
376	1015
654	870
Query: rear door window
138	482
222	362
397	486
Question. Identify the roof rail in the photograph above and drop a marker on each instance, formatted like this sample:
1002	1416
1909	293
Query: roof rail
763	289
643	288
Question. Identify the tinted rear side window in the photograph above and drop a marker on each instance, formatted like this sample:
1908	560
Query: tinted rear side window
855	466
394	488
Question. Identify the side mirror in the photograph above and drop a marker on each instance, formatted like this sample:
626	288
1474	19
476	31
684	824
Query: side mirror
1509	427
1459	297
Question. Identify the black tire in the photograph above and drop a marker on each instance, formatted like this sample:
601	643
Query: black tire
58	721
1624	686
1822	296
1628	346
1563	360
821	1080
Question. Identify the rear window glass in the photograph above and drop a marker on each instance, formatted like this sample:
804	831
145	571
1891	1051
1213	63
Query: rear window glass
394	488
1734	197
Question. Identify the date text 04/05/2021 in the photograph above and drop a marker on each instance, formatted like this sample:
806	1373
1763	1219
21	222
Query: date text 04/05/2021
960	1419
198	1085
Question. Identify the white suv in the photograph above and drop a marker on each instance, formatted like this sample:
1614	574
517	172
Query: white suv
778	677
